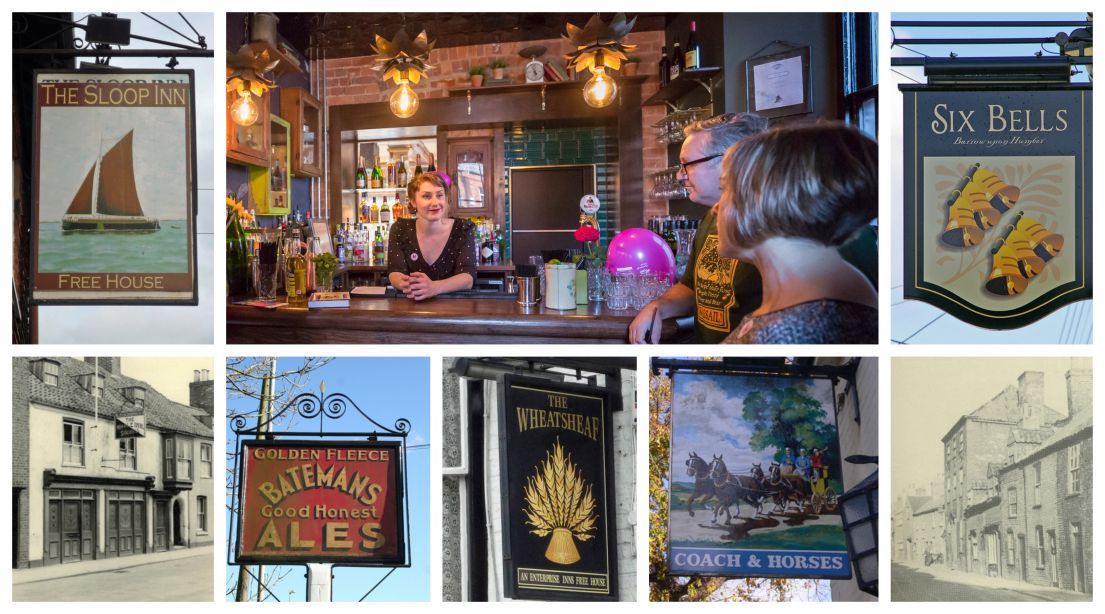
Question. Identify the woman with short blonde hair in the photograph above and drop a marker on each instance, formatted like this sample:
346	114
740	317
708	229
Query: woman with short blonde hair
790	196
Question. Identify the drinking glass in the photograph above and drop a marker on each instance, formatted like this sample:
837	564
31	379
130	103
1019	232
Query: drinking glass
267	264
617	292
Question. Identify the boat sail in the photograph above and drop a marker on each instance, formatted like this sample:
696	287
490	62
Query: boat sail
109	188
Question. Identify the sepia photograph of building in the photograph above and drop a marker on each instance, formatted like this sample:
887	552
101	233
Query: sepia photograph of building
112	476
993	479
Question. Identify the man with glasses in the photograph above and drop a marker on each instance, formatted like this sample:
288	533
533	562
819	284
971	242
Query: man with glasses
720	291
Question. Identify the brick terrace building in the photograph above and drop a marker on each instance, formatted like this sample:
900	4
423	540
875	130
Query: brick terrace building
103	465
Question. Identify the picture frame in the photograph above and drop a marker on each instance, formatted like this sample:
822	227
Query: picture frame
779	84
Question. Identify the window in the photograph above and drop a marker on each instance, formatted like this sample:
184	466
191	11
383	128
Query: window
72	443
47	371
183	459
1036	485
1074	475
169	464
97	386
127	457
1040	553
136	395
205	460
1012	502
993	550
201	513
1010	548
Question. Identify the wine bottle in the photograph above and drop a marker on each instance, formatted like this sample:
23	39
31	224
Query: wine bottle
296	271
377	176
362	178
676	62
378	247
374	212
385	212
432	167
401	174
665	66
418	169
692	55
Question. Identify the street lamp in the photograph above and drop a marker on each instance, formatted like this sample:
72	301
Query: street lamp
859	512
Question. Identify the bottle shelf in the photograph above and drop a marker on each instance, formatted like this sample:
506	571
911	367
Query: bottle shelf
682	85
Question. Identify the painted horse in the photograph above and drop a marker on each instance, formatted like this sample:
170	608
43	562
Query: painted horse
703	484
731	489
785	489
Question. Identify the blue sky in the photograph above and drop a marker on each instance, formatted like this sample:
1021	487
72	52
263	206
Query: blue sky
917	322
386	389
706	418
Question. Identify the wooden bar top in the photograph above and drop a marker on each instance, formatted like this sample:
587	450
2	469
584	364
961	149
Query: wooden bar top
438	320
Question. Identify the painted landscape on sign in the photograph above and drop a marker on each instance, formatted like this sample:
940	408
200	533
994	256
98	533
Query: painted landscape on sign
755	477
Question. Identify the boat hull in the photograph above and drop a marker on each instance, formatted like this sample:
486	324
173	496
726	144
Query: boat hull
71	223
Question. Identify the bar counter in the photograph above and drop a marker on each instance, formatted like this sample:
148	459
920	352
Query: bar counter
438	320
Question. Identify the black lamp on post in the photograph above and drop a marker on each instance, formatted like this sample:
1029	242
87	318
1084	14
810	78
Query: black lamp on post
1079	44
859	511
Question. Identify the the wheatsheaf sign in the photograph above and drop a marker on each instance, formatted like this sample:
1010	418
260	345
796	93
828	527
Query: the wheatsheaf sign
557	491
321	503
998	186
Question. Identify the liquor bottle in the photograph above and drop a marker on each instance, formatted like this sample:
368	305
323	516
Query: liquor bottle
401	173
432	168
692	55
391	176
676	62
358	244
362	211
362	177
665	67
339	243
295	266
418	169
378	247
385	212
374	212
377	177
314	248
498	246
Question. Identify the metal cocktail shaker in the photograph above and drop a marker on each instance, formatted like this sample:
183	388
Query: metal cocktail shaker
529	284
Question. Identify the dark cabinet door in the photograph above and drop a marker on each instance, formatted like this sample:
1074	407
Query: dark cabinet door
472	167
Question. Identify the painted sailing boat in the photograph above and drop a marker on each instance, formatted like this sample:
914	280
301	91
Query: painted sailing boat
108	197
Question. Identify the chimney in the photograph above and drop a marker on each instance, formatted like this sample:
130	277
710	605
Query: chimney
1080	386
201	393
1030	397
108	365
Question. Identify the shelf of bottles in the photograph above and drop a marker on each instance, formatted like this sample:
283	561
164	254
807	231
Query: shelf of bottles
669	130
679	234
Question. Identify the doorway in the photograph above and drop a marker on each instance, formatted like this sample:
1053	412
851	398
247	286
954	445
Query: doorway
178	521
1053	564
1021	551
161	525
1078	554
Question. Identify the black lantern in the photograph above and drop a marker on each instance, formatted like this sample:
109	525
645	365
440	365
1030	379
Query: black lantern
859	511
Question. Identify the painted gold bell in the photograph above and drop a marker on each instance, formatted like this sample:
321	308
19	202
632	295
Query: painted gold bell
562	548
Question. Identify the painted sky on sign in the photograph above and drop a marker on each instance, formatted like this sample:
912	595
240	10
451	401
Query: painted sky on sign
917	322
706	418
386	389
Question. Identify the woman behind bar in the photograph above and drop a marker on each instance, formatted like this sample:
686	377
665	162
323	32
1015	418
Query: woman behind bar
433	253
791	196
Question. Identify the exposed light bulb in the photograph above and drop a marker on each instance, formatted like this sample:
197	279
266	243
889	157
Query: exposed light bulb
244	110
601	90
404	102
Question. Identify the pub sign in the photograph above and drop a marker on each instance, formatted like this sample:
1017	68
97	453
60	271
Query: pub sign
312	502
998	192
114	188
557	482
755	477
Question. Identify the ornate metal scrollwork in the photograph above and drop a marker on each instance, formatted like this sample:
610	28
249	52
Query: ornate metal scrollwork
331	406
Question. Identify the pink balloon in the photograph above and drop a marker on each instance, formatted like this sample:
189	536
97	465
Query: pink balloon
638	250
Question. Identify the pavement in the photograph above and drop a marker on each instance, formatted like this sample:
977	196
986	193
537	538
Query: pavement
937	583
179	575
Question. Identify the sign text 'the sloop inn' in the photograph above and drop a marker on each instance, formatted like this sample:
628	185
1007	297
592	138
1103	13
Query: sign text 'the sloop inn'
557	481
311	502
998	191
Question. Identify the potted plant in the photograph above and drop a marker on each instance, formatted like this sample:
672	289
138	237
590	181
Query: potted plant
631	65
497	66
476	74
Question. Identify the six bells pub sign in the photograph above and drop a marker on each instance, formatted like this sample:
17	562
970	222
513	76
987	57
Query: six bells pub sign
557	478
310	502
998	191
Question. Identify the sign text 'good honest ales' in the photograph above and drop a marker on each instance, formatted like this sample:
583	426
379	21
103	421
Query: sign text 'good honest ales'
311	502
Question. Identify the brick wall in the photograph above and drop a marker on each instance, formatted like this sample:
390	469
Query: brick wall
21	455
352	81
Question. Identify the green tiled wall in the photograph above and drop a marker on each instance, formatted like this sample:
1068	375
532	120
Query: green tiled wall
533	145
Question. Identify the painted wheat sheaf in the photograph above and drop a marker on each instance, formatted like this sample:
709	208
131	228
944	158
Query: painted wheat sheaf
559	501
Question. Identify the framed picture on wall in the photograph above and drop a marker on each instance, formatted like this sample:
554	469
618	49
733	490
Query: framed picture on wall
779	83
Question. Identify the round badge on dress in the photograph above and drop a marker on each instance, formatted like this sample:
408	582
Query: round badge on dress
414	256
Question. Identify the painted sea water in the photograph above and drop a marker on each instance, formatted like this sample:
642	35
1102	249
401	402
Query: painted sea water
160	251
